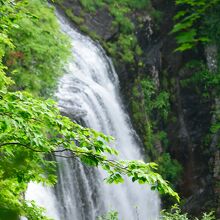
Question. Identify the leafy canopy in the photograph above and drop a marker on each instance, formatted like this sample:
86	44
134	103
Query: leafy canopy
40	49
31	129
190	22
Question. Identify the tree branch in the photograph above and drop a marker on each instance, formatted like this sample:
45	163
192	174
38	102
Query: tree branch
23	145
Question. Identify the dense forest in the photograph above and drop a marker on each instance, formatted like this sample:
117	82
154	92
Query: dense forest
166	55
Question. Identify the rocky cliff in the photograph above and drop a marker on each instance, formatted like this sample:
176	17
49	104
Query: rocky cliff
151	73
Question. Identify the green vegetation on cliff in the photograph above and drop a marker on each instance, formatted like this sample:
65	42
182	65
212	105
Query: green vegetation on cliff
124	44
197	35
149	107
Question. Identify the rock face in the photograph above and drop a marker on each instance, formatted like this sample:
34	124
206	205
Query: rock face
98	22
190	113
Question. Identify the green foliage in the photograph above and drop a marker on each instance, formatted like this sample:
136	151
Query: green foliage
156	101
124	46
176	214
40	49
211	24
149	107
124	5
91	5
199	75
32	128
206	84
170	169
112	215
77	20
191	19
215	127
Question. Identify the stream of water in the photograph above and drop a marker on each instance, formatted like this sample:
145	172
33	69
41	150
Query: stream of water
89	92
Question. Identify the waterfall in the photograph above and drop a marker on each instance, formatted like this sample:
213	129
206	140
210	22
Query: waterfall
89	92
44	197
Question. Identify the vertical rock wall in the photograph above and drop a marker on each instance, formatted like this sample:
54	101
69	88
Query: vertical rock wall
190	116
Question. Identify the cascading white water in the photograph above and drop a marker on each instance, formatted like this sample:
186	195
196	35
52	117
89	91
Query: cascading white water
44	197
89	92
